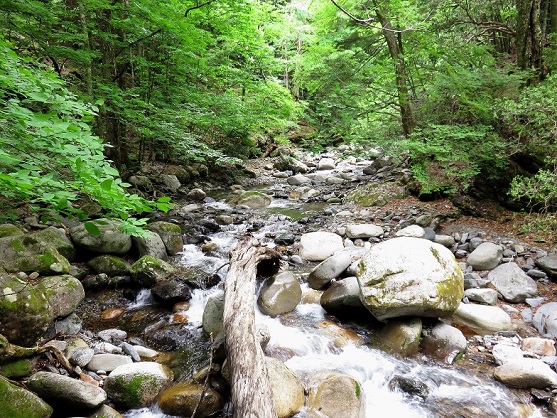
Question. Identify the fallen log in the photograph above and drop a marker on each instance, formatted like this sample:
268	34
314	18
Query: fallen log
251	391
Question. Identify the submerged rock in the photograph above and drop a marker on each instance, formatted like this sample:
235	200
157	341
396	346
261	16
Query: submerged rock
182	398
443	341
410	277
401	336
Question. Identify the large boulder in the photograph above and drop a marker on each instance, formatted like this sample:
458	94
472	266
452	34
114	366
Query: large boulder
320	245
182	399
486	257
171	235
109	240
280	294
526	373
286	386
24	309
58	239
16	402
28	253
329	269
333	394
545	320
149	270
512	283
482	319
136	385
8	230
66	394
64	294
410	277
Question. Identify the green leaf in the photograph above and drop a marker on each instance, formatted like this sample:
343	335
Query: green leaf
92	229
107	185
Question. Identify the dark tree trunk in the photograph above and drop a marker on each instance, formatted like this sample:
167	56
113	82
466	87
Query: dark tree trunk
251	390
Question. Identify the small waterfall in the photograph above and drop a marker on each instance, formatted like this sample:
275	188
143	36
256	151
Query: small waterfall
143	298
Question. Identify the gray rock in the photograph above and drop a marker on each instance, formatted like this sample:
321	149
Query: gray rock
279	294
443	341
536	274
170	181
485	296
18	402
333	394
474	243
113	335
526	373
152	245
182	399
363	231
486	257
298	180
410	277
548	264
137	385
329	269
252	199
534	302
70	325
169	292
67	394
196	194
145	353
64	294
171	235
474	281
106	411
141	182
506	353
107	362
482	319
318	246
445	240
545	320
326	164
212	320
81	356
415	231
110	240
29	254
512	283
24	309
9	230
342	298
130	351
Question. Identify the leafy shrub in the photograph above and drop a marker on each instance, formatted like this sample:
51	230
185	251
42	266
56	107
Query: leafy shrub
48	154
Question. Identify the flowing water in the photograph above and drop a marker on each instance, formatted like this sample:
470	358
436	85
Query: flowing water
309	341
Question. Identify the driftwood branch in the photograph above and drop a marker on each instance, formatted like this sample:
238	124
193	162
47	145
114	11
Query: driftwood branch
251	391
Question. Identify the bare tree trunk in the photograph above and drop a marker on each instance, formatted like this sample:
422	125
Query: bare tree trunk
251	391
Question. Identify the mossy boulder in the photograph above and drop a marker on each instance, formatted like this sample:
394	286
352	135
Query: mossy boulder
182	398
252	199
16	402
400	336
109	240
410	277
64	293
111	265
29	253
149	270
16	369
171	235
9	230
24	309
58	239
136	385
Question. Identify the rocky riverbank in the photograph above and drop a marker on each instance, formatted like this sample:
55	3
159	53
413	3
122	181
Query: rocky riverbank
352	241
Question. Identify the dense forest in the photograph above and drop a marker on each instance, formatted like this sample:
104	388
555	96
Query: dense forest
92	90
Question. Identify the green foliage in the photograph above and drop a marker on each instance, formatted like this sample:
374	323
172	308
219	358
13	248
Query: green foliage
448	158
48	154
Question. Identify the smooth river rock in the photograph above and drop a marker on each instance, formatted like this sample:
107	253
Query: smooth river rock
482	319
333	394
110	240
320	245
328	270
486	257
545	320
410	277
526	373
279	294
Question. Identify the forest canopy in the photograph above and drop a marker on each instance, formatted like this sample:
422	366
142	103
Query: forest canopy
94	89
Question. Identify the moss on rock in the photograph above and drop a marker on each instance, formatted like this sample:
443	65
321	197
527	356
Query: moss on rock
16	402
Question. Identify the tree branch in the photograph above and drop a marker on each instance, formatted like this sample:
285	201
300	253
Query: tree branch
197	6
